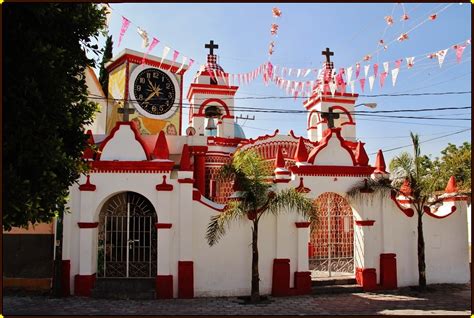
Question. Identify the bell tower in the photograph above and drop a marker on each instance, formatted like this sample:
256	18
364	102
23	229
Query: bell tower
212	99
329	105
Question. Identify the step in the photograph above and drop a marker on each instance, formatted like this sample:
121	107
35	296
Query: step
333	281
337	289
124	288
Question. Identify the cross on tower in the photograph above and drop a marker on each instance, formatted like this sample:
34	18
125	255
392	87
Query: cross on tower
125	110
330	116
328	54
211	46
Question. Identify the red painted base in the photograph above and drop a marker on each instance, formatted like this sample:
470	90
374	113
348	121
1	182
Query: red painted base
83	285
388	271
367	278
164	286
65	275
302	283
281	277
185	279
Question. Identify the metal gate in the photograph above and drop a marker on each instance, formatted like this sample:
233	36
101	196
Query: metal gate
331	247
127	237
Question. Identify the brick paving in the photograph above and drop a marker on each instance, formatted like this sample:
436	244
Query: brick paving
441	299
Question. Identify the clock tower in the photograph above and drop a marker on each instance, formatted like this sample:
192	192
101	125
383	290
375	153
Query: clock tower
152	88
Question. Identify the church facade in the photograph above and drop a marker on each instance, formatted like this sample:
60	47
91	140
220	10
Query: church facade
142	210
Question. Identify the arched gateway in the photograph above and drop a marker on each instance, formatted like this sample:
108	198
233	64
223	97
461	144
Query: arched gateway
331	248
127	242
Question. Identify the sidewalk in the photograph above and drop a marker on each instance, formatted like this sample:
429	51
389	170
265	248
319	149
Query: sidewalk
440	300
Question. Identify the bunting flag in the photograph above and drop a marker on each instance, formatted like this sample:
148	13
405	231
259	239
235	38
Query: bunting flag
123	29
182	64
352	85
332	88
165	53
349	73
383	76
319	73
357	70
371	82
366	70
410	62
398	63
276	12
191	62
376	69
441	55
144	35
298	73
154	43
362	84
307	72
459	50
385	67
395	75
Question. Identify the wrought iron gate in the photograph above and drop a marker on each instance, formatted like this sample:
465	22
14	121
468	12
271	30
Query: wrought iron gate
127	237
331	247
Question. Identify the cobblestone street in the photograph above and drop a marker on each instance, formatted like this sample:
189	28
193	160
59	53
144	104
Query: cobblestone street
439	300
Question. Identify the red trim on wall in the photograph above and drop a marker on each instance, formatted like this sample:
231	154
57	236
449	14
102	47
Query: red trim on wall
332	171
213	100
456	198
281	180
164	186
388	271
138	60
408	211
197	197
87	186
185	279
83	285
186	180
164	286
281	277
132	166
181	105
112	134
163	225
325	141
87	225
367	278
427	210
302	224
65	277
365	222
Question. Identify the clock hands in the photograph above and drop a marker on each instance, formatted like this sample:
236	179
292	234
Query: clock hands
150	96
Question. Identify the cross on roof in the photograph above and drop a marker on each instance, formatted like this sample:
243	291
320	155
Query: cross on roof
330	116
125	110
211	46
327	53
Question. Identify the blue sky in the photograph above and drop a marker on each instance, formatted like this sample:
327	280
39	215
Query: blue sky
305	29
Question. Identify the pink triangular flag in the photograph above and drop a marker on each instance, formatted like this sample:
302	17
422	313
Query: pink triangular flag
383	76
357	70
154	43
362	84
123	29
398	63
459	51
191	62
376	69
175	56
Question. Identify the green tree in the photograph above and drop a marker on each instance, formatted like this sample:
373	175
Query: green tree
249	172
45	104
455	161
422	177
107	56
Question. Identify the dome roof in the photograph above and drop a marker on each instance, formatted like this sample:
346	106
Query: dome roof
238	131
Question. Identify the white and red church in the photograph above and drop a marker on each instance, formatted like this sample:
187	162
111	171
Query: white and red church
142	210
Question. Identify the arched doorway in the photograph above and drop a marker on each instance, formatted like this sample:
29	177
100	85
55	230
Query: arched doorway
127	242
331	247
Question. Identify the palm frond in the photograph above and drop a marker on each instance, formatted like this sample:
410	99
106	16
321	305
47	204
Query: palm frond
219	223
291	200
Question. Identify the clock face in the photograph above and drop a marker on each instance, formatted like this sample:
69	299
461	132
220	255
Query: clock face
153	92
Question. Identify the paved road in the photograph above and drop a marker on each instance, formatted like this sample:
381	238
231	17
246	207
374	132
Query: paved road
440	300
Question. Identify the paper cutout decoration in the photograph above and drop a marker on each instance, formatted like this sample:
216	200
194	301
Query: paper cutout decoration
433	17
395	72
385	66
274	29
376	69
459	50
403	37
405	17
366	70
367	57
410	62
332	87
398	63
349	73
371	82
123	29
144	35
154	43
441	55
165	53
383	76
276	12
182	64
352	84
389	20
362	84
357	70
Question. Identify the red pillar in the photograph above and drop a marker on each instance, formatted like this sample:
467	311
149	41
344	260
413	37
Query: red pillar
185	279
199	153
164	286
281	277
83	285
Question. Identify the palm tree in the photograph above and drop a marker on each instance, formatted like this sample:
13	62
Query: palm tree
254	198
413	170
